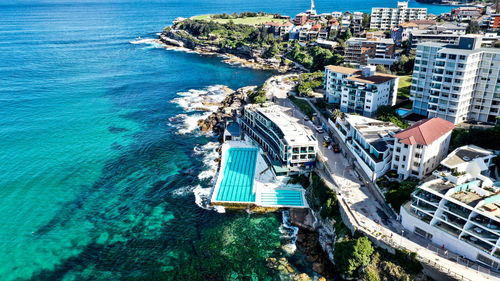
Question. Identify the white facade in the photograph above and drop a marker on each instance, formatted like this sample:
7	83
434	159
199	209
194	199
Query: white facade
369	140
387	18
280	135
418	160
457	82
361	91
462	216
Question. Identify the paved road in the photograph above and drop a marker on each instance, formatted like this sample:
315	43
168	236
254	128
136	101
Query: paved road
370	214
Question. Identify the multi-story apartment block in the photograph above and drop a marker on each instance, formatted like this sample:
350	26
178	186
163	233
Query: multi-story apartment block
369	140
280	135
365	51
442	33
466	162
494	21
465	13
402	32
359	90
387	18
301	18
357	22
457	82
460	208
419	148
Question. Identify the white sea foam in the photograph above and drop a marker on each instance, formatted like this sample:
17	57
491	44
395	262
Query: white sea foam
206	101
153	43
202	199
209	155
181	191
289	233
187	124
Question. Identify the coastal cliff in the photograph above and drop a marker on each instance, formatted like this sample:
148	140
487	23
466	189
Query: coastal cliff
245	56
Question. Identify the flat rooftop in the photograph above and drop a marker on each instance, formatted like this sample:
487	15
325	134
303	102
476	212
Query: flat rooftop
294	132
357	75
372	130
467	197
465	154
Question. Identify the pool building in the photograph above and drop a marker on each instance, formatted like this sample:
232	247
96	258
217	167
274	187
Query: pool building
289	145
245	180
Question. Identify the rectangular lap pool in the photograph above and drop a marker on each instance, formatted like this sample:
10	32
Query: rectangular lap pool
238	175
282	197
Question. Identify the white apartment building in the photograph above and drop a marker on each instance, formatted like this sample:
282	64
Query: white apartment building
464	163
457	82
285	140
387	18
459	210
419	148
369	140
359	90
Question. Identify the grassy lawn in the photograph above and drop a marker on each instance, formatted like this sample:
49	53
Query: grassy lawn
303	106
247	20
404	86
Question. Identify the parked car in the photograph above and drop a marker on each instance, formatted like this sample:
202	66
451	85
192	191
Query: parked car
320	129
336	148
306	118
327	139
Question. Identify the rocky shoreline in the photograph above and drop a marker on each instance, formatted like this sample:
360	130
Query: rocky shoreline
243	56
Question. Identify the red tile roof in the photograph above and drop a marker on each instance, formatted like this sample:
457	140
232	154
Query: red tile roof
425	131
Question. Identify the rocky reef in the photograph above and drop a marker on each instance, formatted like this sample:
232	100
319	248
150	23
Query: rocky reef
228	108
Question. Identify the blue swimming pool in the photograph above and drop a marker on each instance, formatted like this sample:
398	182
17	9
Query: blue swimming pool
238	175
282	198
401	112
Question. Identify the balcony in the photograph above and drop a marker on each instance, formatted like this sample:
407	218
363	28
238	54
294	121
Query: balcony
416	213
423	206
477	243
486	223
452	230
456	210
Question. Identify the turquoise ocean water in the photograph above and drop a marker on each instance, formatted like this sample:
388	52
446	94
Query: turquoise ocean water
96	183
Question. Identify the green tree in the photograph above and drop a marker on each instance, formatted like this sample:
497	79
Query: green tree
382	69
473	27
352	254
366	20
348	34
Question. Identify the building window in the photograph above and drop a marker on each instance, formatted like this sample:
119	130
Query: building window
404	158
396	158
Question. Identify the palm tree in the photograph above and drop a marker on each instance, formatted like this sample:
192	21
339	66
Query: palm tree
337	114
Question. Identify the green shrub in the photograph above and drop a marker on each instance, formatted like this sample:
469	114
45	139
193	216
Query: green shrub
352	254
408	260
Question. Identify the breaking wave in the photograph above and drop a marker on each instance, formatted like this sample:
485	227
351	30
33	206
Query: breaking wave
203	102
288	233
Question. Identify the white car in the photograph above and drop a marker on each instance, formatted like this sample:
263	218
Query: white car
319	129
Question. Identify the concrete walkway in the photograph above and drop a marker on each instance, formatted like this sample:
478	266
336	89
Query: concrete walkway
369	214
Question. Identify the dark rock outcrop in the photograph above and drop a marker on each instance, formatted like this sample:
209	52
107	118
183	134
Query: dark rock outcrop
233	103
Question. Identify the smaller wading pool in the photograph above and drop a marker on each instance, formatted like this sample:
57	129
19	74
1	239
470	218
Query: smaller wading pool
402	112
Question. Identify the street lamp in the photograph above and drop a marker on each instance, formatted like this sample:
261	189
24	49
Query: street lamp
402	234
